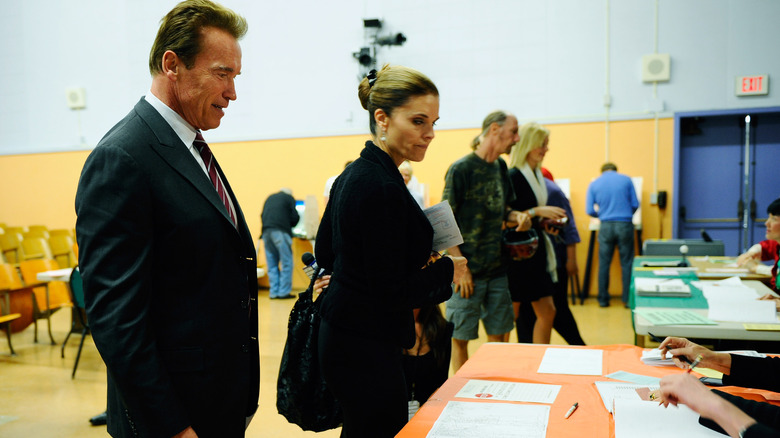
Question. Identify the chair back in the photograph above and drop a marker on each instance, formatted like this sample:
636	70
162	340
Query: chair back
58	290
36	248
77	288
62	249
20	298
11	245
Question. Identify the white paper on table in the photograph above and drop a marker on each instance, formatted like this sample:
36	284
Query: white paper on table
509	391
728	293
470	420
758	311
632	418
611	391
581	362
446	233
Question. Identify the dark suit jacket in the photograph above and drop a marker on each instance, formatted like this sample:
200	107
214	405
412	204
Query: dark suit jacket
375	239
170	285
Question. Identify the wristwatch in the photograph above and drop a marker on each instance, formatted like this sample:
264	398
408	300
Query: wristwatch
532	212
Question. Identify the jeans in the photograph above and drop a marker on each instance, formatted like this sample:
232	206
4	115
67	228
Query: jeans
622	235
278	249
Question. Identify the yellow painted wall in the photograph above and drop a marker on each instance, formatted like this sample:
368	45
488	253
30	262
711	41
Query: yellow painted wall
40	188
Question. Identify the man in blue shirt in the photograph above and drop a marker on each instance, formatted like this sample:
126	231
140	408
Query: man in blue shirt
616	199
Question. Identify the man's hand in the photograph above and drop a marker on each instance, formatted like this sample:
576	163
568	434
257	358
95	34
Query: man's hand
465	285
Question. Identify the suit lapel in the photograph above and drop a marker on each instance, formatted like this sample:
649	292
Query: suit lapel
175	153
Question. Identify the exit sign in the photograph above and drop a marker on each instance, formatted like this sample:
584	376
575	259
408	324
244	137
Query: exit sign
752	85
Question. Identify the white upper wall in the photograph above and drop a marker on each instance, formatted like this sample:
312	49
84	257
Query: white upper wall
542	60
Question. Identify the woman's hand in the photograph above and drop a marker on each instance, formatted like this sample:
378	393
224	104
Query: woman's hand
773	298
321	283
549	229
687	389
748	257
550	212
681	347
519	220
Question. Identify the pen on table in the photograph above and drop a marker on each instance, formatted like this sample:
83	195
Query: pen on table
695	362
571	410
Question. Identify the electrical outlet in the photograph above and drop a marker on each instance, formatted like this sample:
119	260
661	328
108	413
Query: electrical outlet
77	97
653	198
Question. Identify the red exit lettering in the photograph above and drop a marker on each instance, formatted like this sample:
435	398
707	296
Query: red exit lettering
752	84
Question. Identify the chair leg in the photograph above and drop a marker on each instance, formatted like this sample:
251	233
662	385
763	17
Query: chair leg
35	324
48	326
62	350
78	354
8	335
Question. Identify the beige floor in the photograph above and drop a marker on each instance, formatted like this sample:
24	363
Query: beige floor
39	399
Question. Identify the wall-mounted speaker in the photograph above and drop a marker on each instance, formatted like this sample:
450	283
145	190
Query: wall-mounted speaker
656	67
77	98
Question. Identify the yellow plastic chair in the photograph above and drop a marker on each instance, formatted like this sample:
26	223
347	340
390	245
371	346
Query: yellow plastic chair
48	296
16	306
36	248
11	246
62	250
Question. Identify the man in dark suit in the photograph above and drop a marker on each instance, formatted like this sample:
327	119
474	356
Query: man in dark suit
167	259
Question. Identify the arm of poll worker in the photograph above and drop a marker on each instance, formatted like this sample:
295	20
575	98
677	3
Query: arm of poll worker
688	390
681	348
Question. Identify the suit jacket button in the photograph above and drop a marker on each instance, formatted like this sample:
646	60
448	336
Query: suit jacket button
245	348
244	304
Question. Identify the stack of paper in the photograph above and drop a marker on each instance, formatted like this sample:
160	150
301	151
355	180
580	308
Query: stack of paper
730	300
661	287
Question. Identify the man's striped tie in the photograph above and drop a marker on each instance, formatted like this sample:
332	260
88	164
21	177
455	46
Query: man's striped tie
208	159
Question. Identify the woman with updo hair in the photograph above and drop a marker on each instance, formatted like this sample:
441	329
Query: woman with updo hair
377	242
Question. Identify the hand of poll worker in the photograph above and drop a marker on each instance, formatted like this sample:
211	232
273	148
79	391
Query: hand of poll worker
773	298
688	390
571	267
465	284
684	352
749	256
186	433
321	283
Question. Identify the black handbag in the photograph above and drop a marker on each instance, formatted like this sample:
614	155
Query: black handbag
301	394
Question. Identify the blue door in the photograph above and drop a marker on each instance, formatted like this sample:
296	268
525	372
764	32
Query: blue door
728	171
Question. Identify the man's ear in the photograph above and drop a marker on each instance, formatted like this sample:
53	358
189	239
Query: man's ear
171	64
381	118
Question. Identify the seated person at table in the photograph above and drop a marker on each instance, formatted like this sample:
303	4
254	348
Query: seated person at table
766	250
427	364
738	370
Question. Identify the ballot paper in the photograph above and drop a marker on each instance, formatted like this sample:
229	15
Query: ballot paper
509	420
581	362
446	233
636	418
509	391
611	391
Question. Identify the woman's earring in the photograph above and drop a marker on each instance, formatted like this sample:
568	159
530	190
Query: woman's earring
384	136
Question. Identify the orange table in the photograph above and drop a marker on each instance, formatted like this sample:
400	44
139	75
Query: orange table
519	363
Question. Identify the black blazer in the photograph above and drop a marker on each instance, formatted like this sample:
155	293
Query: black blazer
170	285
375	239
